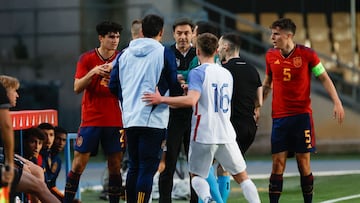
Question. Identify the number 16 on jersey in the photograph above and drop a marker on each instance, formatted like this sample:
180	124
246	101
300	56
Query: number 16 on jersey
221	97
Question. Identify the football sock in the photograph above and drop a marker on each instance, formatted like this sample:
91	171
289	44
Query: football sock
224	187
214	187
250	191
201	187
114	188
72	184
307	186
275	187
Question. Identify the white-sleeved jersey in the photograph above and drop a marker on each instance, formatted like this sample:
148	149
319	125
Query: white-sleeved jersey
211	120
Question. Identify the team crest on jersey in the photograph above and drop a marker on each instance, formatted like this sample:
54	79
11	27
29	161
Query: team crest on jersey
277	62
79	141
297	62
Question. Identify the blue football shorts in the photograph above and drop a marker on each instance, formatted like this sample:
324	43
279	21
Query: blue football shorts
112	140
293	134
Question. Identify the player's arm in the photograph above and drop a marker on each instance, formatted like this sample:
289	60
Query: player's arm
258	102
259	97
189	100
267	84
338	111
7	136
81	83
175	102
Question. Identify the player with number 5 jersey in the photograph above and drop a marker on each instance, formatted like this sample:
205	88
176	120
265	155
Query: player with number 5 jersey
291	76
289	67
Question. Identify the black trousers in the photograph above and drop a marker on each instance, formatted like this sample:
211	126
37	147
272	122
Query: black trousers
245	128
178	134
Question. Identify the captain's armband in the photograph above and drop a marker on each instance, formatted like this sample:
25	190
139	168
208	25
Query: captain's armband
318	69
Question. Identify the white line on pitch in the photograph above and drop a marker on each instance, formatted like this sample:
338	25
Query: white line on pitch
341	199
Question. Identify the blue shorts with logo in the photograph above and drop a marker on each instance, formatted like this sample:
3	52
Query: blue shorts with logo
293	134
112	140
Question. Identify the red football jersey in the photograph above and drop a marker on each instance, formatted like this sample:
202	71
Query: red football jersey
291	77
99	106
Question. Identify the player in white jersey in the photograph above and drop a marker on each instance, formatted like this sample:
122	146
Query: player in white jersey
213	136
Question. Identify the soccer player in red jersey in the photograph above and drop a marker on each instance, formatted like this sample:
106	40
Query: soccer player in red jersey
289	67
101	120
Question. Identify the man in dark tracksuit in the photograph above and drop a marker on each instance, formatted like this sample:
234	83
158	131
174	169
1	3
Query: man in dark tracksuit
180	119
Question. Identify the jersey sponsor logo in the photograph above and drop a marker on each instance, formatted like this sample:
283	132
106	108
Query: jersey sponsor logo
277	61
79	141
297	61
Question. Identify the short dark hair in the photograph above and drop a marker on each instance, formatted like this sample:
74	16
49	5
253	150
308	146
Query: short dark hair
207	27
60	130
46	126
234	40
207	43
136	21
107	27
183	21
284	24
33	132
152	25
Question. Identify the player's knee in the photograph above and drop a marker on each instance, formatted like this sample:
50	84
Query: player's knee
38	172
278	167
114	166
241	177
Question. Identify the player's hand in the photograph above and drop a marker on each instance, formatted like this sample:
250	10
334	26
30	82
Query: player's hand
339	113
257	114
102	70
185	87
180	78
152	98
7	175
108	67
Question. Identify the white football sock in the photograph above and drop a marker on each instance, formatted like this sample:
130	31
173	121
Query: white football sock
250	192
201	187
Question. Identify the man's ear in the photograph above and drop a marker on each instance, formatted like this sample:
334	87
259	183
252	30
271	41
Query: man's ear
290	35
161	32
226	47
197	51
